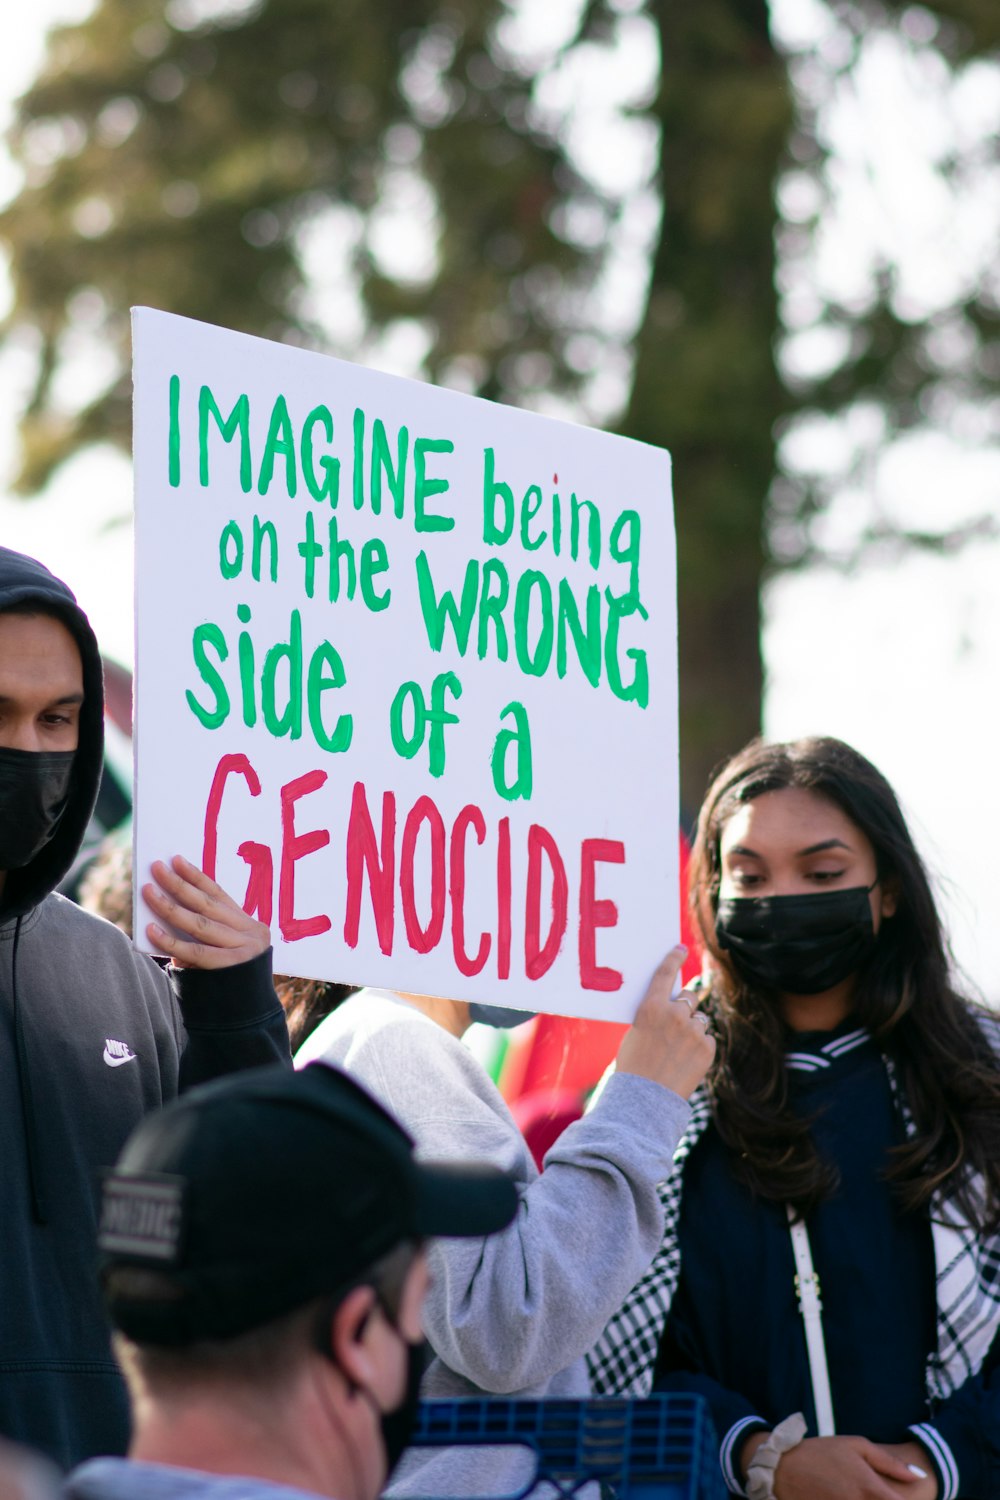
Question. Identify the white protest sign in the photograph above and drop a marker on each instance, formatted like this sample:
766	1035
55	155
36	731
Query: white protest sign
406	673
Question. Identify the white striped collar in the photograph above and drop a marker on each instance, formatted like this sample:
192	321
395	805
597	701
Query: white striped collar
816	1062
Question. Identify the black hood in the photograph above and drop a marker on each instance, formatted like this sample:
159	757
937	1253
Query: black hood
23	580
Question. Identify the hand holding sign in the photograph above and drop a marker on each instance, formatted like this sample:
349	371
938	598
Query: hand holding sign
209	929
668	1041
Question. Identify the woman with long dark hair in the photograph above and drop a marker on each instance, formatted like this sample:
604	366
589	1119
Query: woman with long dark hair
831	1263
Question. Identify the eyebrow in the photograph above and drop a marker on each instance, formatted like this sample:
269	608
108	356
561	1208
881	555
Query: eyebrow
68	699
812	849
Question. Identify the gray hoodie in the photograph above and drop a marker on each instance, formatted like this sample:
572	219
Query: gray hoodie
514	1314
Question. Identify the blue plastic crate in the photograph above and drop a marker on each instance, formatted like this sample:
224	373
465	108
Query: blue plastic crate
663	1448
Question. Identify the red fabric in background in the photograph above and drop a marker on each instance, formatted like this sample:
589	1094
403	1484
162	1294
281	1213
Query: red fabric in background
553	1063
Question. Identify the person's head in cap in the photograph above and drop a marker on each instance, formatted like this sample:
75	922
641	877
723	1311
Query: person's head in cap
262	1262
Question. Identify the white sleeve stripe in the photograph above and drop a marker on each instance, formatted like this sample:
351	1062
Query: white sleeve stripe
726	1452
945	1459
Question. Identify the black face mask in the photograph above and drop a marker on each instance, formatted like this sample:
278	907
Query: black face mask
798	945
500	1016
34	788
397	1426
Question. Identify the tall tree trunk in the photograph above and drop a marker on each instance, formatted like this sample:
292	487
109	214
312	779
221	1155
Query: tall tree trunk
705	380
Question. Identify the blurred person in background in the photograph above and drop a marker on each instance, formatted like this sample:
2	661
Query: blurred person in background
263	1261
105	885
97	1034
307	1003
515	1315
850	1131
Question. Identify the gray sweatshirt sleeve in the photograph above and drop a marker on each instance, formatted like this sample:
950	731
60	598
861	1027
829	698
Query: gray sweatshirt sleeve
512	1310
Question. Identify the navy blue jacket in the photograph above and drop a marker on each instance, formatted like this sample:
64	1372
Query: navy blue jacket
734	1332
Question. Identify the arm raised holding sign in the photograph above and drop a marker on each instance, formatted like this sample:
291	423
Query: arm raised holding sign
665	1044
220	970
515	1315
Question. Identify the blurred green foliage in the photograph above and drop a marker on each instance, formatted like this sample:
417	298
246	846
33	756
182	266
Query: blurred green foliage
180	154
176	162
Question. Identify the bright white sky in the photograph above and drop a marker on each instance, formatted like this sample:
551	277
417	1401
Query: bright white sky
901	658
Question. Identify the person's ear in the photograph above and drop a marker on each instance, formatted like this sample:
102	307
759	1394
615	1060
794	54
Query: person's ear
890	897
350	1337
411	1302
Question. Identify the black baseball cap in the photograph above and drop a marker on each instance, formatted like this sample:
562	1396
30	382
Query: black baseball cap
258	1193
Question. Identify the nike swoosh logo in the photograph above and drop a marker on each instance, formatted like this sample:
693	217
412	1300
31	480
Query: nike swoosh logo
116	1062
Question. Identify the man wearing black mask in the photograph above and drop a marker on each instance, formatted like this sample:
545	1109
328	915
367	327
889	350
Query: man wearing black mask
263	1263
96	1035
